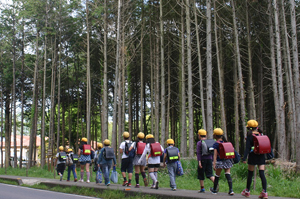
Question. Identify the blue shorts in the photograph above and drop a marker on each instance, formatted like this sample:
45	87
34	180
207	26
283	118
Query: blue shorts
85	162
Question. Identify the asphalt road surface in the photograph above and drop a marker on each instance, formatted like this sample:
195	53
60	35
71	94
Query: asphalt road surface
14	192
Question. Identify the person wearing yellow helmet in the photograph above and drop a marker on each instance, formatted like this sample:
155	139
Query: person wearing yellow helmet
204	157
71	165
60	162
220	164
139	147
85	150
155	150
171	156
106	158
127	161
254	159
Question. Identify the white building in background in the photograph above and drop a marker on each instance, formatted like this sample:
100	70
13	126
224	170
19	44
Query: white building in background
25	150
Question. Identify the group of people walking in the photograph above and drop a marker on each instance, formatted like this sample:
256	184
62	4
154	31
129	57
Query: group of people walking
134	156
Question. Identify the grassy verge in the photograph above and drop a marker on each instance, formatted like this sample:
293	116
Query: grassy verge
280	183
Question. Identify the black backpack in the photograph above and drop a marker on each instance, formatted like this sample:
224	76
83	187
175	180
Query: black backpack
207	146
172	154
108	153
62	156
131	153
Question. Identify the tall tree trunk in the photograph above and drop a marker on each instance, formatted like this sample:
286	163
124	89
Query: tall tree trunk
34	107
43	155
142	71
152	84
156	75
209	108
273	64
104	117
14	108
281	109
116	88
239	67
200	68
236	108
162	70
1	91
221	73
183	142
22	95
190	79
296	80
88	76
290	86
252	110
169	95
7	130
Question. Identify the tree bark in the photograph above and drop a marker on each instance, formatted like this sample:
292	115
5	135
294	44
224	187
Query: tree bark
88	76
183	142
162	70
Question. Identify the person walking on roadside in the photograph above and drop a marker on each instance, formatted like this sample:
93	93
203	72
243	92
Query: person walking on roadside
220	164
171	156
154	149
139	147
96	166
85	152
126	164
60	162
254	159
71	166
105	159
204	157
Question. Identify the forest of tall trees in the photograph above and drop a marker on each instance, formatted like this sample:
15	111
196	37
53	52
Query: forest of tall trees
97	68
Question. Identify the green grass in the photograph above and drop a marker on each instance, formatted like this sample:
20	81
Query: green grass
280	183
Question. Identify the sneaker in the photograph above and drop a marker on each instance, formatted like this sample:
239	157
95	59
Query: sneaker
174	189
137	186
68	180
156	185
145	182
231	193
81	180
201	190
246	193
129	184
213	191
108	184
88	181
61	176
263	195
124	183
152	186
75	180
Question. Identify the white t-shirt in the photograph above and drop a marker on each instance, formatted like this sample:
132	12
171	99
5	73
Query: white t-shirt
122	146
151	160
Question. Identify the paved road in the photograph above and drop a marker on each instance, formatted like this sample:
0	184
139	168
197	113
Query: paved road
13	192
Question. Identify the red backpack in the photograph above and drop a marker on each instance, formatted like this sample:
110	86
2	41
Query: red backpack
140	146
262	144
226	150
86	149
155	149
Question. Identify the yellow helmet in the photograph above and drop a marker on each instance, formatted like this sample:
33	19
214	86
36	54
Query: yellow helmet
70	150
141	135
149	136
99	145
202	132
61	148
218	131
126	134
106	142
84	139
252	123
170	141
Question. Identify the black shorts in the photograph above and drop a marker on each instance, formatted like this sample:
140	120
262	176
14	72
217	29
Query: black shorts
206	169
153	165
256	159
61	168
126	165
